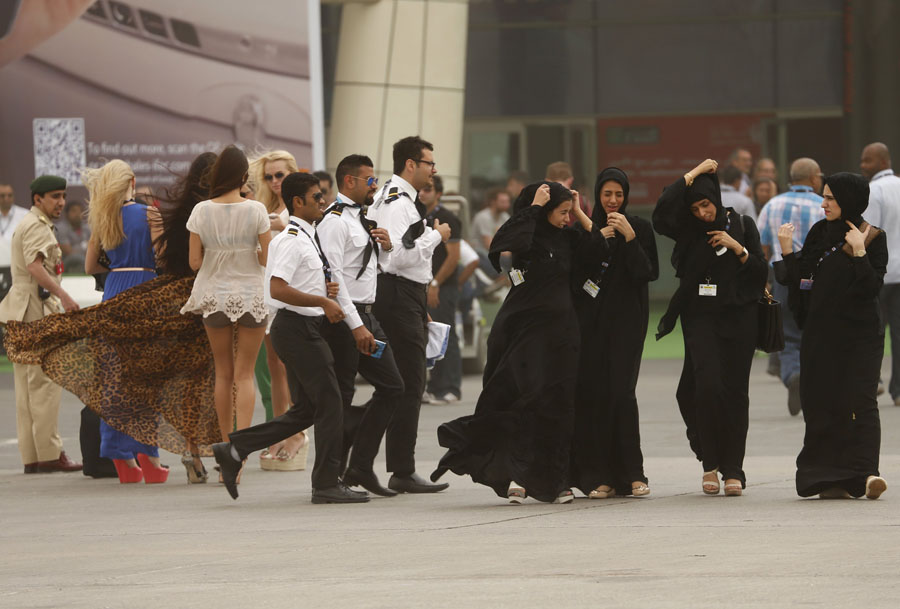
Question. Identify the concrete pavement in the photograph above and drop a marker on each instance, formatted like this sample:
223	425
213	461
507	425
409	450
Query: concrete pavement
69	541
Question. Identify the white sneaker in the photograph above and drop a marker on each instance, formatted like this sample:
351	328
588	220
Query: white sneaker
427	398
448	398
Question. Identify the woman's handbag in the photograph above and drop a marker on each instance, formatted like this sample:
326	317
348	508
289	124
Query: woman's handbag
770	328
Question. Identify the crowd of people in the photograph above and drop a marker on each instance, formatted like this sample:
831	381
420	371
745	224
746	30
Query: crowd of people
251	267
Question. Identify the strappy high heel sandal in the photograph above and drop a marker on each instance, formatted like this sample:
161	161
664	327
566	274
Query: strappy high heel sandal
711	486
283	461
194	475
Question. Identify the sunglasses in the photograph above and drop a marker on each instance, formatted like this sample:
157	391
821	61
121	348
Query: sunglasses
370	181
278	176
318	196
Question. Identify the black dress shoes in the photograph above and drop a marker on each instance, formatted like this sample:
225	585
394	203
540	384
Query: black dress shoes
414	483
228	467
368	480
338	493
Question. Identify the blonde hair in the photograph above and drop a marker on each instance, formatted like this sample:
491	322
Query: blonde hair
559	171
263	192
107	189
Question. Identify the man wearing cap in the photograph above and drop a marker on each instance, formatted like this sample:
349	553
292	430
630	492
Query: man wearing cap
36	267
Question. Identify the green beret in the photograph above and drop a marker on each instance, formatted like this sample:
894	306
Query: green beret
45	184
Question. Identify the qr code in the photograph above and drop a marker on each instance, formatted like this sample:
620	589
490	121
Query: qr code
59	148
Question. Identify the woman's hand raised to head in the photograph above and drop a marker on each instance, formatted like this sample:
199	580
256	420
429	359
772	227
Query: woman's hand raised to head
855	238
707	166
786	238
542	195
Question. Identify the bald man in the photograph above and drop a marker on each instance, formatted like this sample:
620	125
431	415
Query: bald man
884	212
801	206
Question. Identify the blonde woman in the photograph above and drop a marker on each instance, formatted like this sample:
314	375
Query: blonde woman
229	242
121	228
267	172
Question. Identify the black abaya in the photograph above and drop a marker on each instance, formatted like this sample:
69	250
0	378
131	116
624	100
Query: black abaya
521	429
840	357
606	446
719	331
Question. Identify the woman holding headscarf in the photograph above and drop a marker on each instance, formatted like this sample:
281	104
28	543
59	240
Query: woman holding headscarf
722	273
518	440
833	287
610	296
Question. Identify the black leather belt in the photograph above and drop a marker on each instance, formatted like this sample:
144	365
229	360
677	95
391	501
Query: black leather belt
363	308
391	276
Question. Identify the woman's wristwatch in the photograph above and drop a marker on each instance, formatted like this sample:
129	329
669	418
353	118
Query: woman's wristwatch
743	253
860	253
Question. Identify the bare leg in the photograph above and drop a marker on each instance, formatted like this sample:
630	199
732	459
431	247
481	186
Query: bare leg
221	340
248	342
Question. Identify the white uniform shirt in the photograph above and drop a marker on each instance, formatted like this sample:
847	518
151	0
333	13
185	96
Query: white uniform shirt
294	257
344	240
414	263
737	201
884	212
8	224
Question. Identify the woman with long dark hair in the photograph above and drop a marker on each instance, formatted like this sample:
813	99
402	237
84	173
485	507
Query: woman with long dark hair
517	442
610	295
722	273
229	240
833	284
134	359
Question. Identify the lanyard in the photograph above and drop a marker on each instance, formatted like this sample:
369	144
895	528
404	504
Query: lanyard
826	255
326	268
727	228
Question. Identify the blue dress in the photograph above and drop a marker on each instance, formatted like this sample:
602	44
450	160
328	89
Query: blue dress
136	250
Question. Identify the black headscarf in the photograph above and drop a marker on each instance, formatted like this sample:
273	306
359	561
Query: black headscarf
851	191
692	255
559	194
614	174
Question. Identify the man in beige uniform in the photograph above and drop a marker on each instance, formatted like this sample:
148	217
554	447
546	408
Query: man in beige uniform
36	291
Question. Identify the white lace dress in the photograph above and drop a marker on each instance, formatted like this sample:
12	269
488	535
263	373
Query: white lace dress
230	280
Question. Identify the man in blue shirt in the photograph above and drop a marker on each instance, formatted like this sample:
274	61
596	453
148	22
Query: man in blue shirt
802	207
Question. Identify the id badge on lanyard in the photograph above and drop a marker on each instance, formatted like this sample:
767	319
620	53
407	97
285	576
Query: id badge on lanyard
708	289
806	284
517	277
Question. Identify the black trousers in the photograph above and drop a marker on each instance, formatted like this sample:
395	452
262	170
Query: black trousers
446	376
400	307
314	392
713	392
365	430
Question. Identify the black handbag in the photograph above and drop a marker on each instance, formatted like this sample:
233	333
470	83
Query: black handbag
770	328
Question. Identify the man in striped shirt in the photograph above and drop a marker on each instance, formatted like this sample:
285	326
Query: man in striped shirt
802	207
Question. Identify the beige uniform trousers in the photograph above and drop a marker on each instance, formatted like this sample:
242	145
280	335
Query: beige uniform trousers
37	413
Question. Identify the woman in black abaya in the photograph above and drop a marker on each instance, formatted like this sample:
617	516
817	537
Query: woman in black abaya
722	273
833	285
610	295
517	441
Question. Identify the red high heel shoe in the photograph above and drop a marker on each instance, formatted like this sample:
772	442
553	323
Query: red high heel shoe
127	474
153	474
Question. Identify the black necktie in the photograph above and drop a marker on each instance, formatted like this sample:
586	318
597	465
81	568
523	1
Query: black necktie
368	225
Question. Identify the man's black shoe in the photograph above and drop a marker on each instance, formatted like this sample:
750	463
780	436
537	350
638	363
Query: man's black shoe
414	483
338	494
228	467
368	480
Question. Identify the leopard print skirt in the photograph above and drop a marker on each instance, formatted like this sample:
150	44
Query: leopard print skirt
135	360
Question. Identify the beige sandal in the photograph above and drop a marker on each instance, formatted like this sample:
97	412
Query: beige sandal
516	493
711	486
640	489
604	491
733	488
875	485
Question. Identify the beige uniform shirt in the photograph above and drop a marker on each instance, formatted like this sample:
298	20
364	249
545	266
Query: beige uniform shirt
34	236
